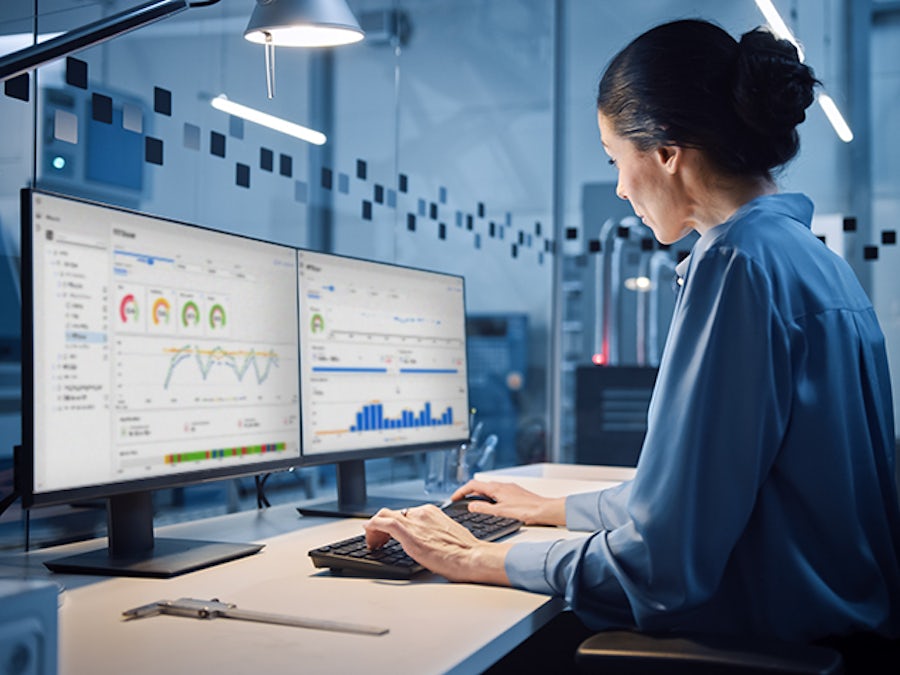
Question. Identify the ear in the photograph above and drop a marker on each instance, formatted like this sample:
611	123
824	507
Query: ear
670	157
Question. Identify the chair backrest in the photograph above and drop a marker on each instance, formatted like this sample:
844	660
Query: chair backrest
635	653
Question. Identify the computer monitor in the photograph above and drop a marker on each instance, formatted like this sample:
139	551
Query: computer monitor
155	354
383	369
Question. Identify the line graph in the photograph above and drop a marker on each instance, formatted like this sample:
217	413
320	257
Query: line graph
238	361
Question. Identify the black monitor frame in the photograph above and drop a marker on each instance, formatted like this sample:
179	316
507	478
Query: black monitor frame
132	548
353	499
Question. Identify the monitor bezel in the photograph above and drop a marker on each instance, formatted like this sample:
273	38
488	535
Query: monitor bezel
382	452
24	474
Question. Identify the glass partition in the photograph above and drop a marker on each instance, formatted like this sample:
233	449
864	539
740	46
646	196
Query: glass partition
431	160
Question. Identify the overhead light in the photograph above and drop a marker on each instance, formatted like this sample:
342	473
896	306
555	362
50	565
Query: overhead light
300	23
841	128
303	23
221	102
779	27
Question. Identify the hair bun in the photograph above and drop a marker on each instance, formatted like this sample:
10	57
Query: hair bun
772	88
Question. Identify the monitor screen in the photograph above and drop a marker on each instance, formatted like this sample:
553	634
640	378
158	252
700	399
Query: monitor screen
157	354
383	367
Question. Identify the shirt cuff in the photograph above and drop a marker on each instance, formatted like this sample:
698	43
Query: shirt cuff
583	512
525	566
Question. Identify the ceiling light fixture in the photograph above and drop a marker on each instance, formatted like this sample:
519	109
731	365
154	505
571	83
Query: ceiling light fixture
221	102
841	128
779	27
300	23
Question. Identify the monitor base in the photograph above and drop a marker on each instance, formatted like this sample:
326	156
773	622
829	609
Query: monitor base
366	509
168	558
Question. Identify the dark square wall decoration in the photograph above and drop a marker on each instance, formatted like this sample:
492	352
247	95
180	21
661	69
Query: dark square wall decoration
266	159
153	150
162	101
286	165
18	87
76	72
216	144
102	108
242	175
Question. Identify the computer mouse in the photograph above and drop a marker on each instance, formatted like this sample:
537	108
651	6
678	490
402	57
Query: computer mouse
463	504
474	497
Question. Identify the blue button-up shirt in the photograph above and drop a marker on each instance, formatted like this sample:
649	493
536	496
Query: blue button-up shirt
764	500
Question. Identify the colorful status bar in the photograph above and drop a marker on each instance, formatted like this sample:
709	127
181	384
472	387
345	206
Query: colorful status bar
219	453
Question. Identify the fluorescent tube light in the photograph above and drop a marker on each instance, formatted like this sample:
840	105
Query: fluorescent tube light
221	102
841	128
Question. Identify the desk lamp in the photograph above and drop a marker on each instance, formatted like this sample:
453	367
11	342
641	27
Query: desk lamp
300	23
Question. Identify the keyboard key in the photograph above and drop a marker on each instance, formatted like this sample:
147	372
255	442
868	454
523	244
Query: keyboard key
390	560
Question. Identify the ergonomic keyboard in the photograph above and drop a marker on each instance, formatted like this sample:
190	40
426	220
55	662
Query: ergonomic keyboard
390	561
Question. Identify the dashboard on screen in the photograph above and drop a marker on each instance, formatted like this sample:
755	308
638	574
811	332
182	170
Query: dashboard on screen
383	357
383	370
160	352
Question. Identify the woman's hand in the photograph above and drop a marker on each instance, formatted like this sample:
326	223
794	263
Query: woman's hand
512	501
440	544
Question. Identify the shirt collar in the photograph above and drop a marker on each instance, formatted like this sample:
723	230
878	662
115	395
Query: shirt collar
796	206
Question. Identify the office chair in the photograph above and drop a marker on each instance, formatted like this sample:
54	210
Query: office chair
622	652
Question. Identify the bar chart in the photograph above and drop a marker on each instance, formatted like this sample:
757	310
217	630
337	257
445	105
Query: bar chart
372	418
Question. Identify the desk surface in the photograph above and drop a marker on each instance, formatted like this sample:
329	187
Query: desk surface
435	626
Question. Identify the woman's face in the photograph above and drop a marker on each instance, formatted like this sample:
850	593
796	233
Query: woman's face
648	180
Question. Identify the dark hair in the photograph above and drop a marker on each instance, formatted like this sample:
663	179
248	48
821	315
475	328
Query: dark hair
690	83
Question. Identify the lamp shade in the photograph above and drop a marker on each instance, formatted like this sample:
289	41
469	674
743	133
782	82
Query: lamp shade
303	23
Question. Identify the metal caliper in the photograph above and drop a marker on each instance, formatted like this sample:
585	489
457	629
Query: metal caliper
213	609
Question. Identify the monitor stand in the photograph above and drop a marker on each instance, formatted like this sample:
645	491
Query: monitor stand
352	500
134	552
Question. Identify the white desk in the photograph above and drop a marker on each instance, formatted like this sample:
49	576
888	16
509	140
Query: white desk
435	626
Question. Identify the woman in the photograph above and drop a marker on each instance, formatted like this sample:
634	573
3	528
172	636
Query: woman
764	501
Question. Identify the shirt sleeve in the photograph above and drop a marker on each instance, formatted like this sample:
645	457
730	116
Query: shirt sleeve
604	510
714	426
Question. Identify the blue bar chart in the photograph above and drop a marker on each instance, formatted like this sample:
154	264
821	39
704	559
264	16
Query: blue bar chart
372	418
